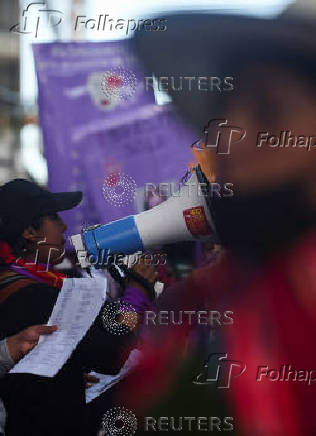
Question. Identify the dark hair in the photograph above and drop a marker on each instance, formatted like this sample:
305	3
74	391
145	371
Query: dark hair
14	237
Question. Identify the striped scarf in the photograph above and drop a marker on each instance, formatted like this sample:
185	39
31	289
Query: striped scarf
34	271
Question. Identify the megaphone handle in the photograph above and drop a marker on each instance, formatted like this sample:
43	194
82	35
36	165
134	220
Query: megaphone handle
138	278
115	273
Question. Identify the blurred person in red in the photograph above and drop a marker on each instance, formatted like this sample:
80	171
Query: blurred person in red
267	277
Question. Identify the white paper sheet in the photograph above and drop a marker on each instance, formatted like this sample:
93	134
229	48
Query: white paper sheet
77	306
107	381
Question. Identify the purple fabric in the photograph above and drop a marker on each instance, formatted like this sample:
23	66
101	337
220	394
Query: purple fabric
138	300
86	138
24	272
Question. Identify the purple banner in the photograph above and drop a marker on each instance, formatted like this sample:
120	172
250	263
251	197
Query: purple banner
103	133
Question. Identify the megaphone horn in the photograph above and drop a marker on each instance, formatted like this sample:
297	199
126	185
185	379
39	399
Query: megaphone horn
185	216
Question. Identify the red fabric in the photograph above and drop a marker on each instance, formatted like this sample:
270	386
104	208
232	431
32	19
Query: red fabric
49	276
274	324
165	276
277	325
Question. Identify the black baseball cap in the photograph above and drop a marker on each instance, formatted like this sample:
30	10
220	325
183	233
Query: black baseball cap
21	201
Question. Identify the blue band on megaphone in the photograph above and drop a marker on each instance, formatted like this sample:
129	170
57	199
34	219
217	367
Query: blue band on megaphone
119	236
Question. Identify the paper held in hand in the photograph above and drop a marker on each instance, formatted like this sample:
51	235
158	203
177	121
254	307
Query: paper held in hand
78	304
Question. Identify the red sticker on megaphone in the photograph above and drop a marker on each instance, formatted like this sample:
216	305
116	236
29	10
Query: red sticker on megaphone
196	221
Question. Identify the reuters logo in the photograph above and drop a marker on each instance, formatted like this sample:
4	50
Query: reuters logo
119	421
119	84
119	189
124	311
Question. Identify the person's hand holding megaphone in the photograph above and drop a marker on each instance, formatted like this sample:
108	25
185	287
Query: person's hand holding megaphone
147	272
139	292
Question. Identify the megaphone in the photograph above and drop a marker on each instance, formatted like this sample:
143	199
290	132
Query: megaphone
185	216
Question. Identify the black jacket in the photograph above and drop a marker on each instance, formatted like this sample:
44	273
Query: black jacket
40	406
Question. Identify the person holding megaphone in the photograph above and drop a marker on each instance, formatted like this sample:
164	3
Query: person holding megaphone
31	244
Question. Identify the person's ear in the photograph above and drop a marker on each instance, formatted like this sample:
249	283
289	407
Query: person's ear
32	235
